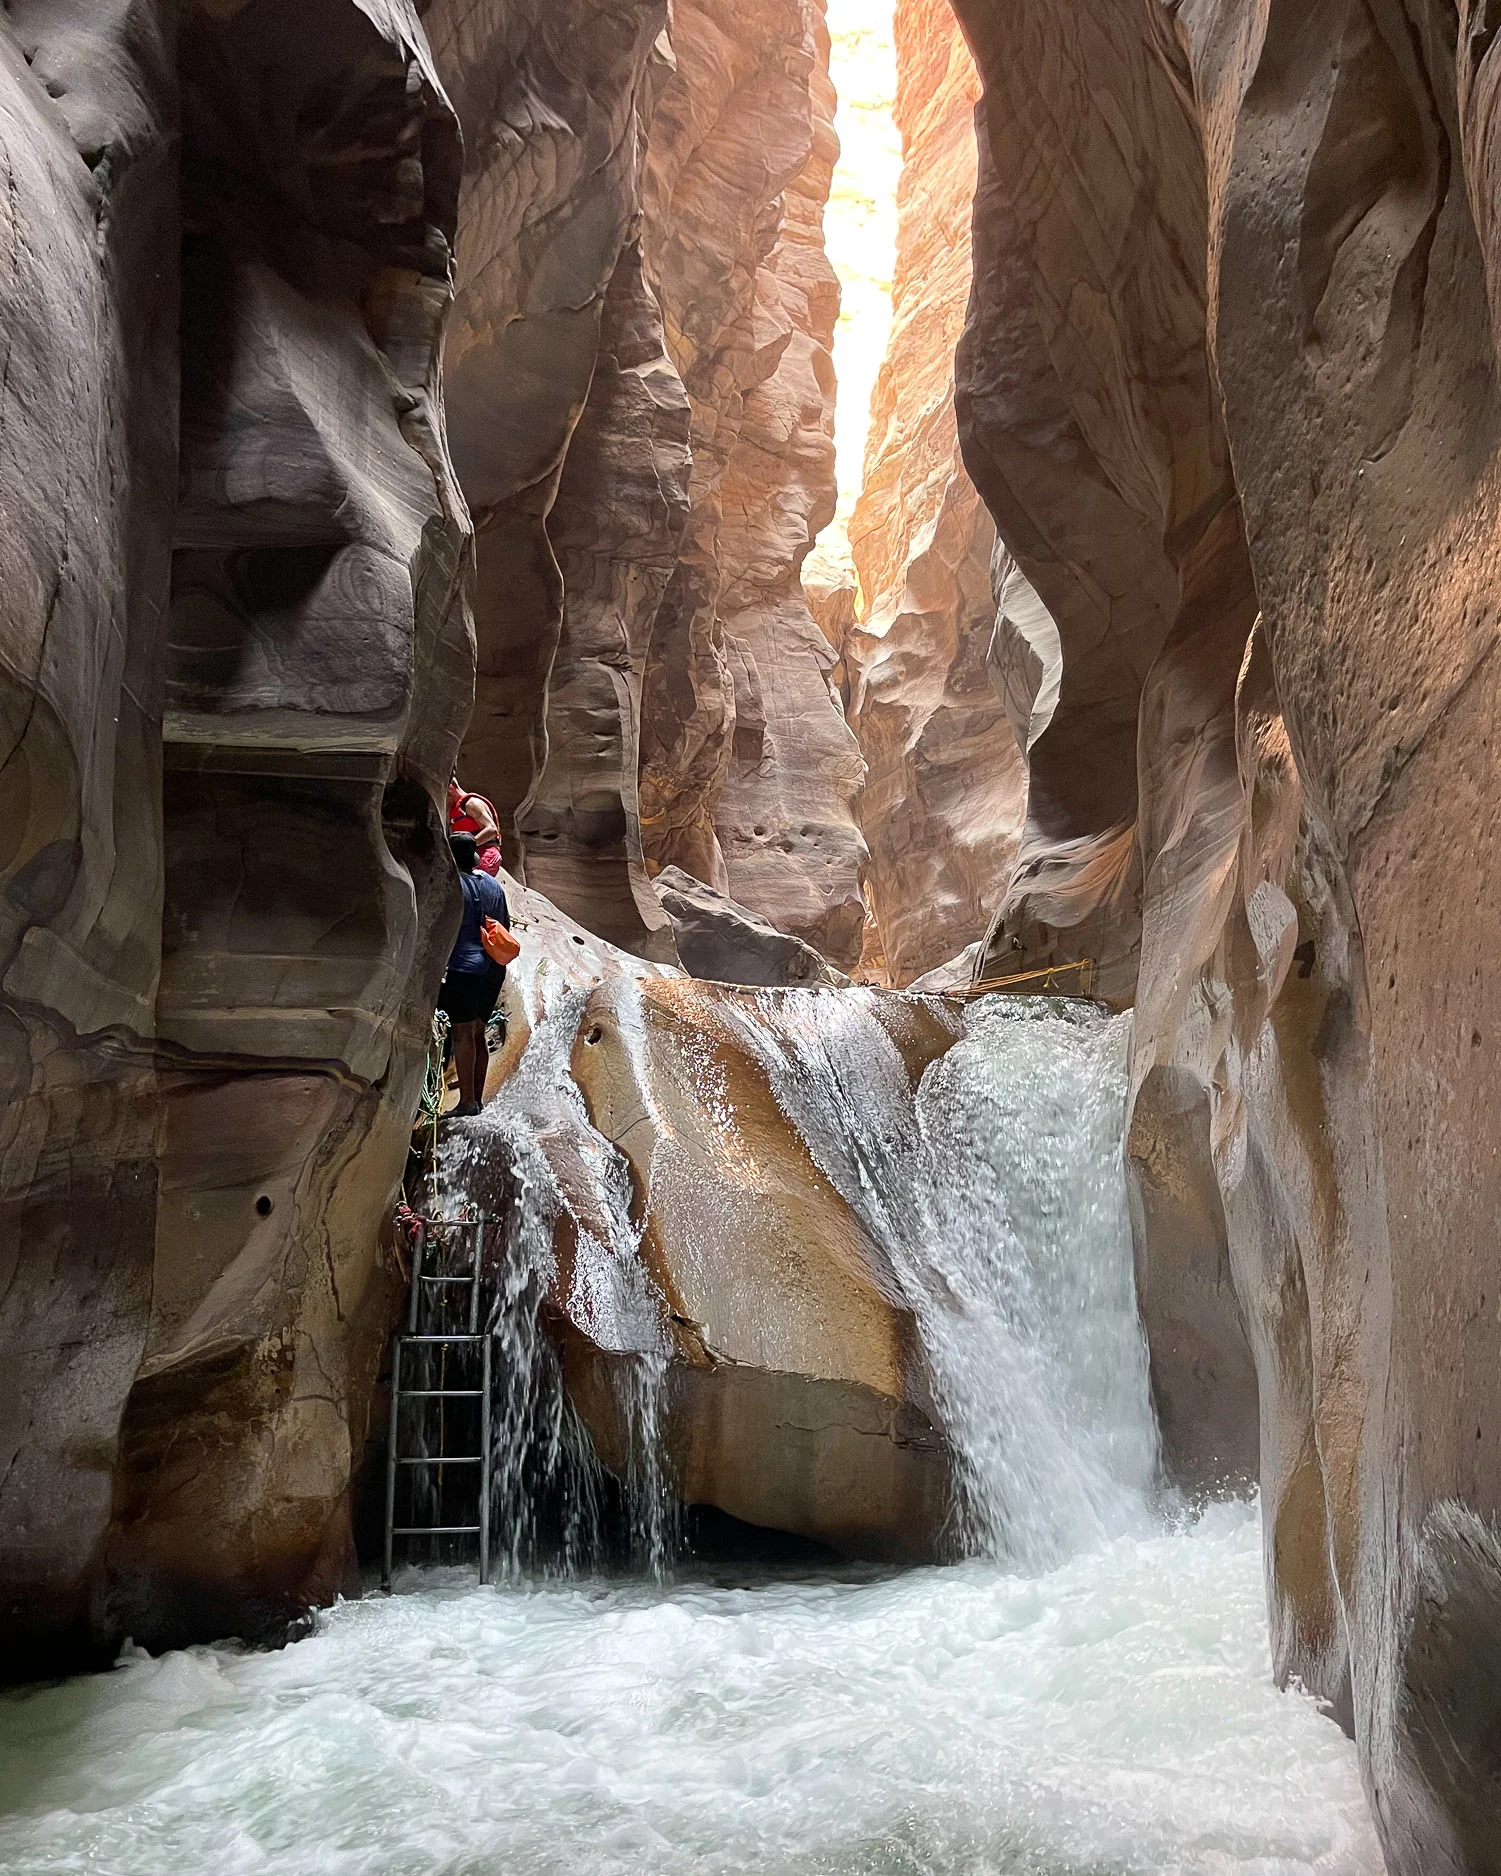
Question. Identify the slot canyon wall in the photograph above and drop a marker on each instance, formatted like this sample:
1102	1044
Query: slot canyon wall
1231	355
235	668
942	805
640	399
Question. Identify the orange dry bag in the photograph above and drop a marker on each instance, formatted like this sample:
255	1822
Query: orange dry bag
500	945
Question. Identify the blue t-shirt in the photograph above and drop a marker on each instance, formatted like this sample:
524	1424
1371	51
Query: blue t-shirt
483	898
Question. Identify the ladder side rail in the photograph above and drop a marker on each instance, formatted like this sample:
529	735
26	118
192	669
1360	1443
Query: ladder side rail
392	1435
476	1273
484	1464
419	1257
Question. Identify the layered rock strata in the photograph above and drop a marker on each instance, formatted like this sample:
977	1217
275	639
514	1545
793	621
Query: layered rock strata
642	413
942	805
235	675
1271	231
748	769
551	100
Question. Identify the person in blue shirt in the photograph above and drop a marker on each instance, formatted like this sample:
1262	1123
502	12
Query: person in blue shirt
471	984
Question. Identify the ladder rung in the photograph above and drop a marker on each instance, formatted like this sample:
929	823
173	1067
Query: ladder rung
434	1530
443	1338
442	1393
450	1459
448	1279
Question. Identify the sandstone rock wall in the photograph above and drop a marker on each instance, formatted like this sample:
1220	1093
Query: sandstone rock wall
88	444
236	661
550	98
1272	229
748	769
641	399
621	509
944	793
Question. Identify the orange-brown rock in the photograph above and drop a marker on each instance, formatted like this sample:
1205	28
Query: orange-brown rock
235	662
1238	261
643	303
945	789
748	769
798	1389
619	517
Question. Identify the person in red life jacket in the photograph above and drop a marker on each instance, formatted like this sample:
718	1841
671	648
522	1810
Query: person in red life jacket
472	982
472	814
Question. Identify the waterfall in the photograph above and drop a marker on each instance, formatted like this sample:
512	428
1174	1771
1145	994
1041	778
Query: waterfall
553	1505
994	1190
997	1192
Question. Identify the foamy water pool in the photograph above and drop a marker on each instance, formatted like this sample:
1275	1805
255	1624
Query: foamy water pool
1114	1715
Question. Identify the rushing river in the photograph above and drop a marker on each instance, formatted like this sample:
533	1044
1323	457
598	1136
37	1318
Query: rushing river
1115	1714
1089	1692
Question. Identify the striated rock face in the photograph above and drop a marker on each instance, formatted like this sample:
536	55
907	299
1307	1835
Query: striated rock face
88	432
944	794
620	513
641	399
231	717
1271	229
748	769
549	97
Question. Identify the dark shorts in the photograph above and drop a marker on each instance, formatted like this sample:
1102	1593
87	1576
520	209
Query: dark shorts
470	996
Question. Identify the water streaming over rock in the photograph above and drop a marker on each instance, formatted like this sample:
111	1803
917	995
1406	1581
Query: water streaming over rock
997	1191
994	1191
552	1504
1107	1714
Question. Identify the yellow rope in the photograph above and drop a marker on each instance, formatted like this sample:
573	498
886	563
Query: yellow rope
1043	978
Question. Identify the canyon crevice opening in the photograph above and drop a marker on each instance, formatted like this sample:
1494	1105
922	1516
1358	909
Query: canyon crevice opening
951	552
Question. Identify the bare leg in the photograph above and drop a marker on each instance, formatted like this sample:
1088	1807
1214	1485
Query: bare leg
468	1038
481	1061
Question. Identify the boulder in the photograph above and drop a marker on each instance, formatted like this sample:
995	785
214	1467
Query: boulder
721	940
797	1391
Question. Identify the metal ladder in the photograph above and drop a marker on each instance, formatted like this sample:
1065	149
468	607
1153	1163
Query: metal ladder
425	1302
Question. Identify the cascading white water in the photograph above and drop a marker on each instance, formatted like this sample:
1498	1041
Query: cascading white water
997	1192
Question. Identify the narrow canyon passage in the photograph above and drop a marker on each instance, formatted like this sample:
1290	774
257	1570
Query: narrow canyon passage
750	829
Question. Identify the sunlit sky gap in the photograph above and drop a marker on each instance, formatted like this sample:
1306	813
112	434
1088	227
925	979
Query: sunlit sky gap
860	236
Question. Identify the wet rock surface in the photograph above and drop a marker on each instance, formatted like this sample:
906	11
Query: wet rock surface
798	1392
718	939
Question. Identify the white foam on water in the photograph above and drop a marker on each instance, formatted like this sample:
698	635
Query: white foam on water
1114	1715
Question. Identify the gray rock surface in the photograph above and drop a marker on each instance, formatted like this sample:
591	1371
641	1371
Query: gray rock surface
718	939
1232	350
233	671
